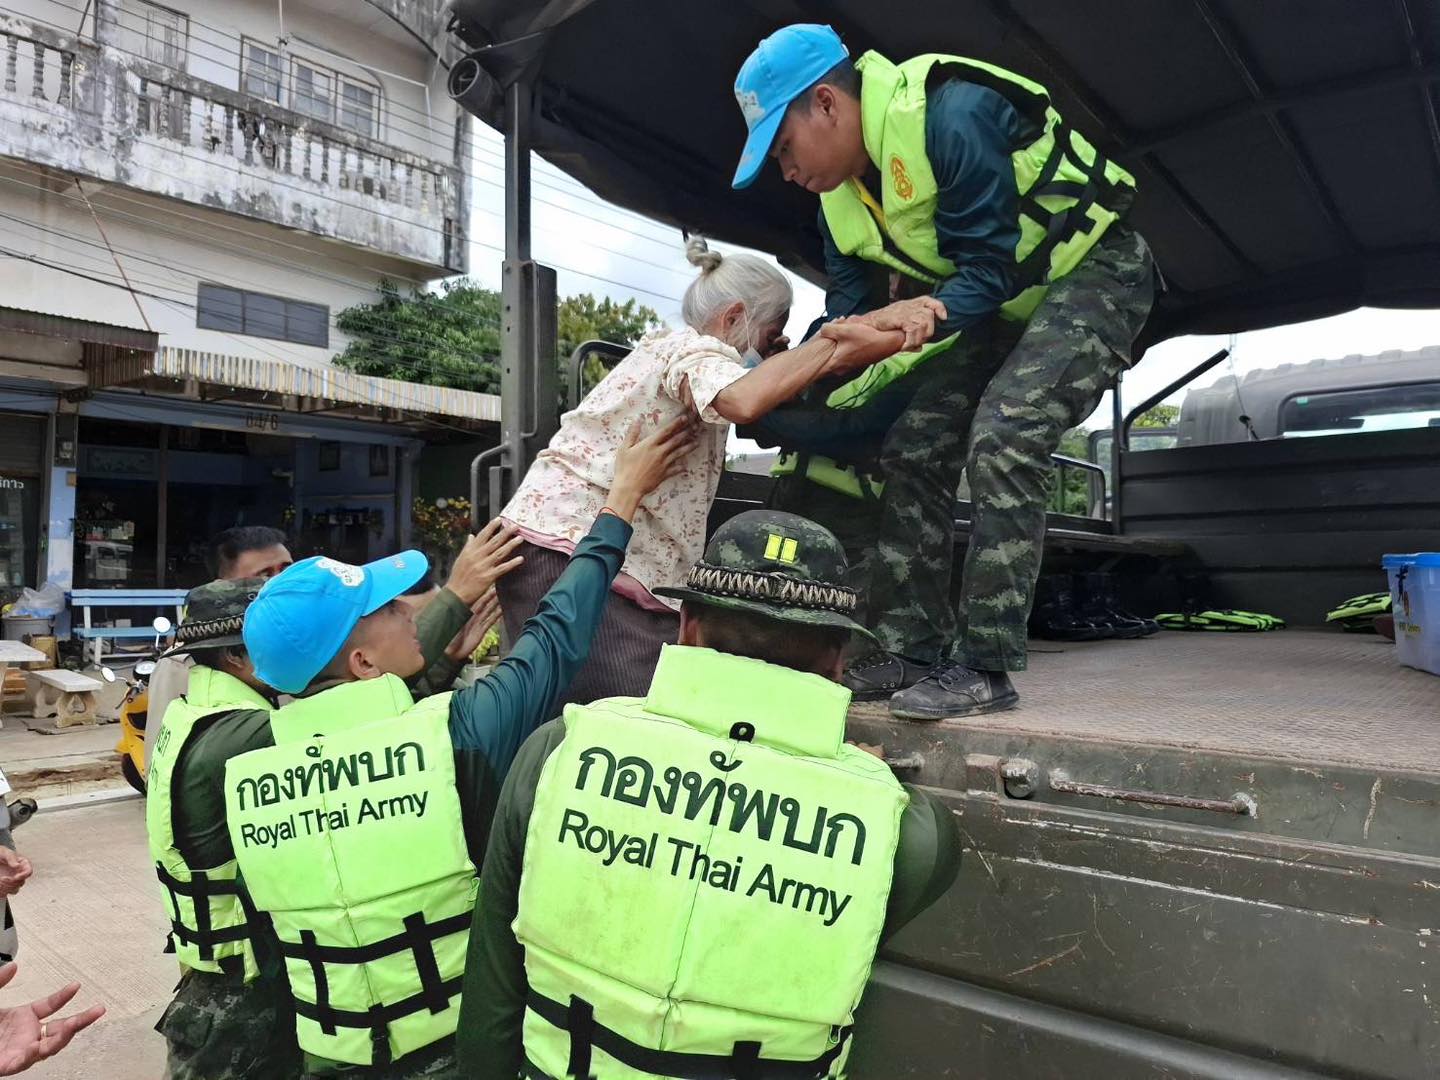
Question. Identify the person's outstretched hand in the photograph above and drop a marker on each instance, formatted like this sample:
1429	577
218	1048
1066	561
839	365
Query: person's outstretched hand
14	871
858	345
27	1035
485	559
485	613
642	464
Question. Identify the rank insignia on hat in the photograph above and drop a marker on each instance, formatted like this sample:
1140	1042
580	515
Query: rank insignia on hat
782	548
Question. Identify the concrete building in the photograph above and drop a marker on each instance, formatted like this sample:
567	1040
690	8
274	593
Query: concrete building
190	193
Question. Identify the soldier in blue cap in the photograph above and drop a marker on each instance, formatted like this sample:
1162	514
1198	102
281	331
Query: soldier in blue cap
356	816
954	200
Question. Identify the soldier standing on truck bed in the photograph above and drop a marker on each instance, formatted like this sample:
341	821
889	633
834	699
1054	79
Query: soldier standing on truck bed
952	189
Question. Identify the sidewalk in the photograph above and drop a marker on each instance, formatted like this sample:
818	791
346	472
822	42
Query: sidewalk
71	762
91	914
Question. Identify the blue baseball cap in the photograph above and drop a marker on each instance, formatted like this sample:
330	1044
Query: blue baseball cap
303	615
782	67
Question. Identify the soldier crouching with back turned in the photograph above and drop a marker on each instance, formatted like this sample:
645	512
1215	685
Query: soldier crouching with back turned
695	883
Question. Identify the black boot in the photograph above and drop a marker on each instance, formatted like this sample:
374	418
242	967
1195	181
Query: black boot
953	690
1055	617
1100	602
878	674
1096	602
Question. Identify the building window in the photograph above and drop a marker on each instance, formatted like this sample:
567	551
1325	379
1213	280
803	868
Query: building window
325	94
237	311
167	35
262	72
314	91
357	108
1362	410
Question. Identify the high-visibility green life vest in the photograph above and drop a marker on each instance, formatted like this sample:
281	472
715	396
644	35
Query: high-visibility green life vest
705	878
1070	193
209	923
829	473
349	835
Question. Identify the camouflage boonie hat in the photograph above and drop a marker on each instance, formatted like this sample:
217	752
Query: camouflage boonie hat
779	565
214	615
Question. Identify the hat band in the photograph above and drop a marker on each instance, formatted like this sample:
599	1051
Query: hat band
208	628
772	588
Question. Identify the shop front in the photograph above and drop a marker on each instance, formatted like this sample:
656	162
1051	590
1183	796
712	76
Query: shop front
118	466
155	481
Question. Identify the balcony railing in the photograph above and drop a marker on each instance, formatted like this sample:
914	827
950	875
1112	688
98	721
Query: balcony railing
185	138
237	128
44	72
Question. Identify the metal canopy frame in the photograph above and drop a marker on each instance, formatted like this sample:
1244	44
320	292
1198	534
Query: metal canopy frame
512	51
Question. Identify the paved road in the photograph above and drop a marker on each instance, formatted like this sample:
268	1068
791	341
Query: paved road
91	914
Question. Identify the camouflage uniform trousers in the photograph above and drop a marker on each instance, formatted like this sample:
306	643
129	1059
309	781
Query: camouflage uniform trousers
217	1028
435	1062
995	409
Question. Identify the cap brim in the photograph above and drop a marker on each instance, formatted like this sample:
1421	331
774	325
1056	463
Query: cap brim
757	148
387	581
182	647
800	616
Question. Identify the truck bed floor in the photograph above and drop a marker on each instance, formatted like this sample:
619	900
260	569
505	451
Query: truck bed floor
1312	695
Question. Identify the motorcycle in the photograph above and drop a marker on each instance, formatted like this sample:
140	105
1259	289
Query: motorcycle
134	713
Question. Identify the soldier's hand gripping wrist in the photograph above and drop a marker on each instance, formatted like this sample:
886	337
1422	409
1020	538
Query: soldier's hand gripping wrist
641	465
858	344
915	318
486	557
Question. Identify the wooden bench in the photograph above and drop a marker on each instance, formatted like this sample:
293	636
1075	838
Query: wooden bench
87	599
16	652
68	696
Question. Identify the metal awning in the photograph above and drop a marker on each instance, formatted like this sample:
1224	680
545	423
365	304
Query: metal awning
23	321
317	383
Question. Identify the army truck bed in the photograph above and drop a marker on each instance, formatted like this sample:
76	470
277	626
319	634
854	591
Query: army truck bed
1304	695
1195	856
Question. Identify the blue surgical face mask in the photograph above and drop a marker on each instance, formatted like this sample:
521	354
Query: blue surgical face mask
751	358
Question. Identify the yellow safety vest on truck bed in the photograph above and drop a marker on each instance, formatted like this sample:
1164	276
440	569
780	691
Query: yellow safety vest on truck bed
697	893
208	909
349	835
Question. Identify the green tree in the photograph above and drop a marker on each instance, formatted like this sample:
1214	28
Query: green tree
1075	498
446	338
583	318
1161	416
451	337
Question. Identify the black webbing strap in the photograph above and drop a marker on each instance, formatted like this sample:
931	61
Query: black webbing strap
417	938
744	1061
198	890
325	1014
425	966
377	1015
1061	227
580	1022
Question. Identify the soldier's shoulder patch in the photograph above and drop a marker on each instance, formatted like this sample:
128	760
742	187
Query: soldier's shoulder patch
900	177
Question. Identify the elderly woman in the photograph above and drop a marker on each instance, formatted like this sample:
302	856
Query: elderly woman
727	365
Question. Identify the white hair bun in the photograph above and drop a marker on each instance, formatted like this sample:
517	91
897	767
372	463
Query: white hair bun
698	253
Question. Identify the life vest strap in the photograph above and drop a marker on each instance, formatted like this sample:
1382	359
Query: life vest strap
744	1062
